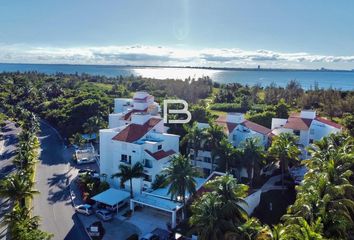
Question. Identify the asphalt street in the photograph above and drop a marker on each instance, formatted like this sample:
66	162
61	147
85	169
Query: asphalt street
54	173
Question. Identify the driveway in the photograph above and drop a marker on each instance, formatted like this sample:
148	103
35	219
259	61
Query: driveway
54	173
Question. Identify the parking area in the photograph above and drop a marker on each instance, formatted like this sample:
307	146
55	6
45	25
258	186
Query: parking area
147	219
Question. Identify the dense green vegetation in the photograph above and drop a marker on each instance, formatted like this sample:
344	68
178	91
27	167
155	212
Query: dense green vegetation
324	206
72	102
18	187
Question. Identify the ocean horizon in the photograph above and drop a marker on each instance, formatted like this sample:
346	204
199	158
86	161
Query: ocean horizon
343	80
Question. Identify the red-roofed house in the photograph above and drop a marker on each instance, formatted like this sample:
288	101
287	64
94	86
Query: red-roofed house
142	138
238	129
306	125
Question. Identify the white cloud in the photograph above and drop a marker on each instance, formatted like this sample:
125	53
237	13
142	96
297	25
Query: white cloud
157	55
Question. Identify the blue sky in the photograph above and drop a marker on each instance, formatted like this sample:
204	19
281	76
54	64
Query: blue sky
271	33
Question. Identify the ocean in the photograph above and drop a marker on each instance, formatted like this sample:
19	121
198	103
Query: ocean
325	79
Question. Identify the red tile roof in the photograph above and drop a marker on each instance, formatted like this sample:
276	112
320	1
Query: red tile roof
297	123
160	154
256	127
328	122
134	132
229	127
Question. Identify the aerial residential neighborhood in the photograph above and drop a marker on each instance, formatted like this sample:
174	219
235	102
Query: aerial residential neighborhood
176	120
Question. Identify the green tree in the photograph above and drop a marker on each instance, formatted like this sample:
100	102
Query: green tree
285	151
281	109
181	177
17	187
214	135
253	156
193	139
127	173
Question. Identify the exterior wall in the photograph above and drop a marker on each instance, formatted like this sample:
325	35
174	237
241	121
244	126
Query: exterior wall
318	130
309	114
114	120
122	104
241	133
304	137
278	122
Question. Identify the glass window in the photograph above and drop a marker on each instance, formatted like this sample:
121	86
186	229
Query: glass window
159	147
147	178
297	132
147	163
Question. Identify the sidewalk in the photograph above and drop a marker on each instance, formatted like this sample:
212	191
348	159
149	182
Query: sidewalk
118	228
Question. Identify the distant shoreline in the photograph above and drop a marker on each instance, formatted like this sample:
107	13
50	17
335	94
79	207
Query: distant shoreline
190	67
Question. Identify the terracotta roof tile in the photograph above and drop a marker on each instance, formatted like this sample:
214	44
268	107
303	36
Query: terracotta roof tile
160	154
297	123
256	127
328	122
134	132
228	127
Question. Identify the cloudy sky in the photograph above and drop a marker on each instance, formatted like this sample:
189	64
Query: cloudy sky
223	33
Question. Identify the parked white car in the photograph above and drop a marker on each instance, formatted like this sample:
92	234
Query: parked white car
104	215
84	209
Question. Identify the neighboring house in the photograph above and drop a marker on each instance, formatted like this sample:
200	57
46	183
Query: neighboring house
136	134
237	129
307	126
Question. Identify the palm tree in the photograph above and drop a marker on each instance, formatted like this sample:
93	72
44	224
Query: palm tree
214	135
17	187
181	177
92	125
193	138
253	155
77	139
285	151
227	155
232	196
206	217
128	173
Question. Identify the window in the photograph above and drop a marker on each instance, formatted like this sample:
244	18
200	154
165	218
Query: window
147	163
126	159
147	178
297	132
311	141
207	159
159	147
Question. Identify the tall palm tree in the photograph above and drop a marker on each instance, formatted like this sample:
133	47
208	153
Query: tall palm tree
232	196
193	139
206	218
77	139
253	156
181	177
127	173
227	155
17	187
285	151
214	135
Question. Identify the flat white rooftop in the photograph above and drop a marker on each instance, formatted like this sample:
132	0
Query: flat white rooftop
111	196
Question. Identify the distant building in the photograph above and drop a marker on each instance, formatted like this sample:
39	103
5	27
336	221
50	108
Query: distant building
237	130
307	126
136	134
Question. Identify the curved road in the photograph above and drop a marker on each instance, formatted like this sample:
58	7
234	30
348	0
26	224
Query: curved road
54	172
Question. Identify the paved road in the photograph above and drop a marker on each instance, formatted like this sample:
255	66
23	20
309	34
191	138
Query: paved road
54	172
8	148
7	154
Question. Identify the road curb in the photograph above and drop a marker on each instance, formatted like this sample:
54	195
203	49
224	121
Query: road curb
72	196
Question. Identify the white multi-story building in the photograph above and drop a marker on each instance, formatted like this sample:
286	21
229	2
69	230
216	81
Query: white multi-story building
136	134
237	129
307	126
